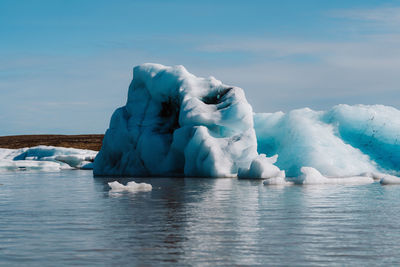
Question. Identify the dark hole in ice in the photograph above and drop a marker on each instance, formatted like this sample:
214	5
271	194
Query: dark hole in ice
170	113
216	97
168	108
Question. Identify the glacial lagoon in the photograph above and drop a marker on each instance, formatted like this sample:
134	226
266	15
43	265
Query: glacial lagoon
71	218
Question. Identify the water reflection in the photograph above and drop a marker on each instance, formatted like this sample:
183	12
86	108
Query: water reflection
155	223
187	221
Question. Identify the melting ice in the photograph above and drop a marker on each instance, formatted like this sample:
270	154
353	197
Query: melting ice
177	124
45	158
129	187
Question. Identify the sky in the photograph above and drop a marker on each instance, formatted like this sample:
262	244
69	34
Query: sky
65	65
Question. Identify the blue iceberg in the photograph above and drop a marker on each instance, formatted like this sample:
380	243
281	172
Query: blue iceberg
177	124
344	141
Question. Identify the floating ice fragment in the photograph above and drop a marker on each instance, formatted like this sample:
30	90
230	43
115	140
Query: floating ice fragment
313	176
130	187
390	179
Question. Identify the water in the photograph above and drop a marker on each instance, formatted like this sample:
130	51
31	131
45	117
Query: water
70	218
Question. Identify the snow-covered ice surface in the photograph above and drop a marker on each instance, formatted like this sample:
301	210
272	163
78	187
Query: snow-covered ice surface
177	124
45	158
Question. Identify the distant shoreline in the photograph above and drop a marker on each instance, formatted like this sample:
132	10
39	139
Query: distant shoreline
81	141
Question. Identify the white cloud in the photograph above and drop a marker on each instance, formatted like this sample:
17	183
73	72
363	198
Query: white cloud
384	16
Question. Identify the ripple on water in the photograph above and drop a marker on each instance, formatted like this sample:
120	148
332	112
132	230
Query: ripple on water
71	219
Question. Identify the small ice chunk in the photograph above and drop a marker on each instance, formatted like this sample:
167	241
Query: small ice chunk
130	187
313	176
390	179
262	168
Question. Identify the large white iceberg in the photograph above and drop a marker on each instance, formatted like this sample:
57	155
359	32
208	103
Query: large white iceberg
175	123
45	158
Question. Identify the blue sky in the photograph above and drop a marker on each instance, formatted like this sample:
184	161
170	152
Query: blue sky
66	65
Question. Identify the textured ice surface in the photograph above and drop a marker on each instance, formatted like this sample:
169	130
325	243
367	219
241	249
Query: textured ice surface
344	141
375	130
130	187
45	158
175	123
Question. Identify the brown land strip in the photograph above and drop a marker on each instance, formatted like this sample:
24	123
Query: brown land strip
82	141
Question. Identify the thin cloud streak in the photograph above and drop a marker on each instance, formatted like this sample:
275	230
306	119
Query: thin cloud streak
59	93
385	16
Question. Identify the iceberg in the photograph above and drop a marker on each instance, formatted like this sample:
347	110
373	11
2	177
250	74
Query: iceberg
45	158
130	187
344	141
177	124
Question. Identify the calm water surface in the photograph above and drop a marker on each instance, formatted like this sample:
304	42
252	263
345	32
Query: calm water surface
70	218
